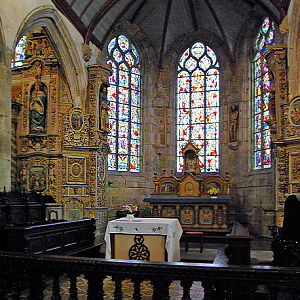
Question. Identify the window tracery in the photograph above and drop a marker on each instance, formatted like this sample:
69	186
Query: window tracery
198	105
263	82
124	95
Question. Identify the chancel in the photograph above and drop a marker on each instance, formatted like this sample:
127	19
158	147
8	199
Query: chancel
186	111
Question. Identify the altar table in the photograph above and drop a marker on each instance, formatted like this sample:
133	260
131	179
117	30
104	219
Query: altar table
157	234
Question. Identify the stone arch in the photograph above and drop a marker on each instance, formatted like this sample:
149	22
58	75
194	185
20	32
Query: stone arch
48	18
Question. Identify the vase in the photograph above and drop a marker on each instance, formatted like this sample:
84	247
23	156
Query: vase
130	217
123	214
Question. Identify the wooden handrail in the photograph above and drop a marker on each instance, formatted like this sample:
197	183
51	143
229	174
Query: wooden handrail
219	282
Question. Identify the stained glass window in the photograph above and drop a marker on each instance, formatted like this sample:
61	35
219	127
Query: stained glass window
17	61
198	105
124	95
262	86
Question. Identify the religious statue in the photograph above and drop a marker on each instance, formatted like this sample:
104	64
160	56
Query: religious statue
37	70
37	109
233	122
104	108
191	162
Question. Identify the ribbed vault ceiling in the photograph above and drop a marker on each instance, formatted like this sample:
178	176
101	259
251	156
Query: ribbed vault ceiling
164	21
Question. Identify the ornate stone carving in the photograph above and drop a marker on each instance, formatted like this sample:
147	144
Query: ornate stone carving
295	167
86	52
73	209
276	58
76	129
101	175
76	170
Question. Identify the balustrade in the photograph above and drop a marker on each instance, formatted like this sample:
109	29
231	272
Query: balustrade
24	275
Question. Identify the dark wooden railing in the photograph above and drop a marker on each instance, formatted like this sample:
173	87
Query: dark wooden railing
23	276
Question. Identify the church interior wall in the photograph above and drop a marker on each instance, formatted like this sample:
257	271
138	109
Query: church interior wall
253	191
5	111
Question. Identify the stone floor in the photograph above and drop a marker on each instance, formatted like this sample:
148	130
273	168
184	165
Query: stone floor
260	252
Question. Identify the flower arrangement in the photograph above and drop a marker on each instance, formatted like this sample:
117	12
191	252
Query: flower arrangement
130	208
213	191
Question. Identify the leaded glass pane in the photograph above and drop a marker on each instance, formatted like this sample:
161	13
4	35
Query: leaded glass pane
135	82
112	144
183	117
111	162
122	162
212	55
191	64
135	131
135	98
117	55
212	98
197	100
19	53
197	132
262	85
135	53
111	45
124	95
135	147
134	164
135	114
197	81
184	132
183	101
113	127
183	58
197	115
123	113
198	105
197	50
123	43
205	63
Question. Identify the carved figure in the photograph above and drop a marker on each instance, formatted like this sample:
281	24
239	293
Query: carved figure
104	108
191	162
37	109
233	122
295	112
52	176
28	50
37	70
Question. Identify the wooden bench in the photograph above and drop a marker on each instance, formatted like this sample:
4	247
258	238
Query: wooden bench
192	236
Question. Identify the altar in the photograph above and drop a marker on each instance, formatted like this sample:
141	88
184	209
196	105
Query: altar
199	202
150	239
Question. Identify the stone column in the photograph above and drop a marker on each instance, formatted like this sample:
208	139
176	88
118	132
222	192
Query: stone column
5	118
16	108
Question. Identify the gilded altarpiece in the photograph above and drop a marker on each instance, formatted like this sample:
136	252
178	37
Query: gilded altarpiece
61	150
285	132
199	203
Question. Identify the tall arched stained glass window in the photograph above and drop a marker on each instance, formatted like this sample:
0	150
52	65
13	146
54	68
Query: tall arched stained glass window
124	96
262	84
17	61
198	105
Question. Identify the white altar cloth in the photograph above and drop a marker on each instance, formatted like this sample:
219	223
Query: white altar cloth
155	226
